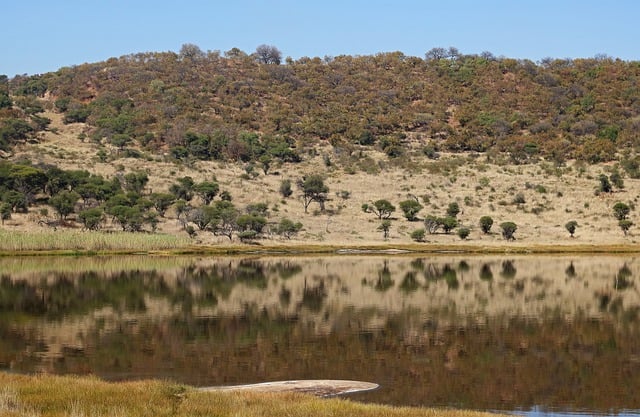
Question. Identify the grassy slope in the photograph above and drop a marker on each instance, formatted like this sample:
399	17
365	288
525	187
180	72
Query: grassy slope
43	395
478	187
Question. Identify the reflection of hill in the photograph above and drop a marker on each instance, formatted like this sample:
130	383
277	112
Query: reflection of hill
486	332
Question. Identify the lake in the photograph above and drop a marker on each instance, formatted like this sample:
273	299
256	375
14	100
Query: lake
543	335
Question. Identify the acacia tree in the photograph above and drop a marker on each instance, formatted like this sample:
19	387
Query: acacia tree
381	208
206	190
384	227
313	189
410	208
571	227
625	225
620	210
91	218
288	228
64	202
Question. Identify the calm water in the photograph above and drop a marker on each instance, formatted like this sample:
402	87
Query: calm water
529	334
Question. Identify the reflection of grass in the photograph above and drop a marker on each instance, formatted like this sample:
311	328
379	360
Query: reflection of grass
80	396
103	264
72	240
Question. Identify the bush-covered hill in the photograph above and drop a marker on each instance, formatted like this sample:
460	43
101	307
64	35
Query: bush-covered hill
239	106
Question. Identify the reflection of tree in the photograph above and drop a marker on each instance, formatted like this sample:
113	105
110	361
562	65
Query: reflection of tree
621	281
508	270
384	281
570	271
285	296
313	297
485	272
434	273
417	264
409	282
286	269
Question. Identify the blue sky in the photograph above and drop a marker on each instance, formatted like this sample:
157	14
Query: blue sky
40	36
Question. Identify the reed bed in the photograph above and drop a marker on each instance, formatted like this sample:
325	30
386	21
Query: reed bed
46	395
73	240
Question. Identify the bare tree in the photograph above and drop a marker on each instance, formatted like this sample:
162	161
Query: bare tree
268	54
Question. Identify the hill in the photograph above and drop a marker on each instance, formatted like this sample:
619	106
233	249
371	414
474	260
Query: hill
221	135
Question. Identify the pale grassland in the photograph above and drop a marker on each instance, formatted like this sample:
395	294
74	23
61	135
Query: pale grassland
26	396
72	240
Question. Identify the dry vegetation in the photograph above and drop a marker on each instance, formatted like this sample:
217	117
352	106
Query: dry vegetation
29	396
553	195
517	141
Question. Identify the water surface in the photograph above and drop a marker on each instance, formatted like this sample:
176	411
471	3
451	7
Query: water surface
533	334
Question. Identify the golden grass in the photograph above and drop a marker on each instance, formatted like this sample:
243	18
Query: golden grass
73	240
22	396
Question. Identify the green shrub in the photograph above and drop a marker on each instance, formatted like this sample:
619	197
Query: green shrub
418	235
485	224
464	232
508	229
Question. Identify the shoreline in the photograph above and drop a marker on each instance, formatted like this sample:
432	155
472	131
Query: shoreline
338	250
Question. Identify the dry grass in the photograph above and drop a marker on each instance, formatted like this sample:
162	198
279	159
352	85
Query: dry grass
23	396
553	196
72	240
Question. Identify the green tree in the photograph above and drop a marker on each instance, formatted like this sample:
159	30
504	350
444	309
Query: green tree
161	202
225	219
453	210
265	162
16	200
313	189
508	229
571	227
288	228
202	216
183	189
136	181
485	224
448	223
384	227
251	222
625	225
381	208
131	219
206	190
91	218
410	208
604	184
620	210
5	212
64	203
28	180
616	179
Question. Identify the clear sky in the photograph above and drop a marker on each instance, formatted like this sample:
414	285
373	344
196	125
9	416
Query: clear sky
40	36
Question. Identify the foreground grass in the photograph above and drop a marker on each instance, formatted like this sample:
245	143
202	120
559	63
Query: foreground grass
26	396
73	240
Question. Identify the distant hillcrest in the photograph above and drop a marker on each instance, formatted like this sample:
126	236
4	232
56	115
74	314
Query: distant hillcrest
239	106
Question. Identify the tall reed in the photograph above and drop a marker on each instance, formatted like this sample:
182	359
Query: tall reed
73	240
